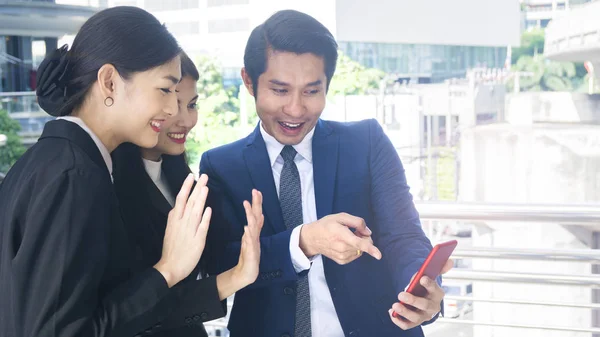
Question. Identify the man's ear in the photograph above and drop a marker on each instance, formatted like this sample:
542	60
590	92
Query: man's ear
247	82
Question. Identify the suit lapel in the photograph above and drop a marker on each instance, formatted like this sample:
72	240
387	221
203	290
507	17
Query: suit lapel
325	161
259	166
156	197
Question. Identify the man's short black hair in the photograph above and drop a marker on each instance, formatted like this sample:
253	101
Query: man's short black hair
289	31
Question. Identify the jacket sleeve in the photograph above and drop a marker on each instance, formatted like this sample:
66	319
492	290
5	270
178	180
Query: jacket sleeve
195	302
398	231
62	259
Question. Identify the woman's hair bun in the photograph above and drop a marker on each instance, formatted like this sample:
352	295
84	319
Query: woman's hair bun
52	79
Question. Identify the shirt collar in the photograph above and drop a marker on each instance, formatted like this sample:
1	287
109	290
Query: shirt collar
103	150
154	168
304	148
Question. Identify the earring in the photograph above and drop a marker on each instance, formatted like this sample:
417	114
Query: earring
109	101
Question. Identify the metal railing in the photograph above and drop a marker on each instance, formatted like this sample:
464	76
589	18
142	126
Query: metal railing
555	214
23	107
564	214
475	213
20	103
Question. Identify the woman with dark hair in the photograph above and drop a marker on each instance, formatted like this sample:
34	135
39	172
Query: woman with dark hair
145	182
66	259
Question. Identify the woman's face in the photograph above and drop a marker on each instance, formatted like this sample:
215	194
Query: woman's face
145	103
171	140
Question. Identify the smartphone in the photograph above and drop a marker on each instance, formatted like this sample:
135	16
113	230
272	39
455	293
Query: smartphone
432	267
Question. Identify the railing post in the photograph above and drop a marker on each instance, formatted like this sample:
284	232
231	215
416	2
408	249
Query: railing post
596	292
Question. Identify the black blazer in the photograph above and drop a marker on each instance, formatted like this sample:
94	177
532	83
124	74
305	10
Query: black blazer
67	262
145	211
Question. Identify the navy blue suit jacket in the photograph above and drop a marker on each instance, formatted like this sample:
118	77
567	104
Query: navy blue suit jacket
356	170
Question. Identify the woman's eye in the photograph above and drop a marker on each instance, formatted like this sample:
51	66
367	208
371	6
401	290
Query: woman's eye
166	91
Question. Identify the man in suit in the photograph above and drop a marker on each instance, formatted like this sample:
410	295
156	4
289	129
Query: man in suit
323	183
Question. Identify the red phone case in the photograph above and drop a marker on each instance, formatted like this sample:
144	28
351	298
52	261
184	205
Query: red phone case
432	267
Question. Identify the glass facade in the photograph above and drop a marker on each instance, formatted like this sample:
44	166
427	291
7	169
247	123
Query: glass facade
425	63
19	58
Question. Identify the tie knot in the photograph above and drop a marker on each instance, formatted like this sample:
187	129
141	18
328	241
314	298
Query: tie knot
288	153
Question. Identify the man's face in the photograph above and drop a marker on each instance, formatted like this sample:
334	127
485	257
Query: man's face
291	95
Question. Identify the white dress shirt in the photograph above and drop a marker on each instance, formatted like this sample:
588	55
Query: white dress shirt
154	170
103	150
323	317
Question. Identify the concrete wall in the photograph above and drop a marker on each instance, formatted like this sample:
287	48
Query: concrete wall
562	107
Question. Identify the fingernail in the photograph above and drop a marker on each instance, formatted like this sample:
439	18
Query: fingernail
370	231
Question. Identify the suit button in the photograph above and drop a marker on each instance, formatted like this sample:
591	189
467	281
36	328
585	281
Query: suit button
196	318
204	316
278	274
188	320
353	333
148	331
288	290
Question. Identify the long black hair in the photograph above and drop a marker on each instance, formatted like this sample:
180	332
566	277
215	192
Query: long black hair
129	38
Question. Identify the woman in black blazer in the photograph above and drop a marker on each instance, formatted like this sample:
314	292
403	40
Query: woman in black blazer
67	264
145	183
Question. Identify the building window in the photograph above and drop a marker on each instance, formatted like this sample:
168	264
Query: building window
217	3
171	5
184	28
228	25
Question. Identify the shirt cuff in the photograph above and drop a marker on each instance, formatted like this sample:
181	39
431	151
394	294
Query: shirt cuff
299	260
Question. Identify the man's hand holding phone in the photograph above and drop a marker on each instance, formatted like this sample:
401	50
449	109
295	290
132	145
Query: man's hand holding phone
417	310
423	297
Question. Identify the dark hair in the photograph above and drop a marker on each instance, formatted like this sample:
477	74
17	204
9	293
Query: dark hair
129	38
289	31
188	68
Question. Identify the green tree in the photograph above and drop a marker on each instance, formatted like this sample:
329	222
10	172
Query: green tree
218	111
546	75
352	78
13	149
532	44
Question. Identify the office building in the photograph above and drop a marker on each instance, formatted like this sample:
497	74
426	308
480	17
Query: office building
423	41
